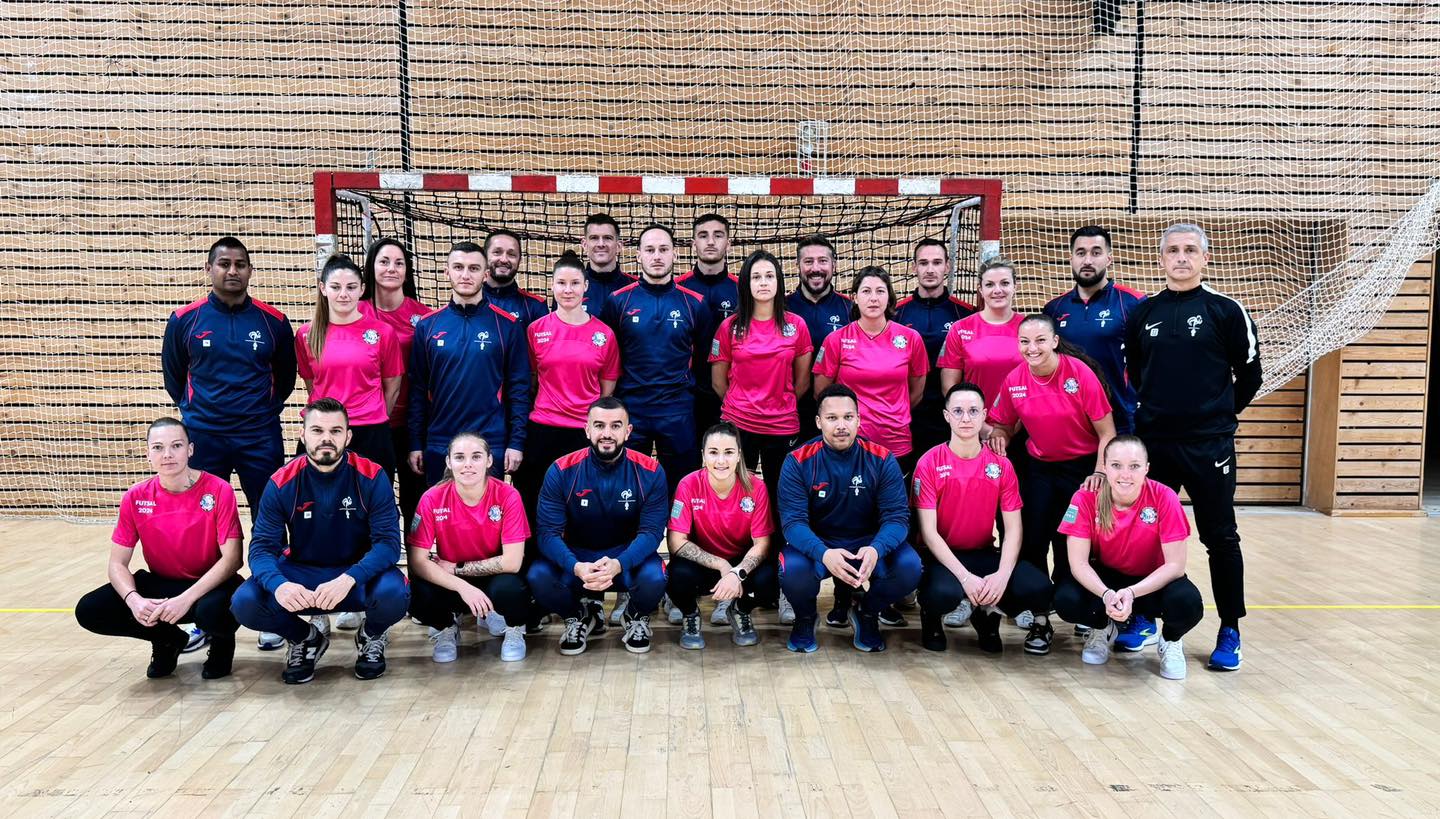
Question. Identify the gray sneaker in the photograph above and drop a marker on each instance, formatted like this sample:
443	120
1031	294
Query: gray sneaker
720	616
742	628
787	611
672	613
617	614
690	636
960	616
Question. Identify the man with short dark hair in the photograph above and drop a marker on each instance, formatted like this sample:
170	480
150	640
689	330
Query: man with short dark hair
502	271
817	302
710	278
930	311
603	276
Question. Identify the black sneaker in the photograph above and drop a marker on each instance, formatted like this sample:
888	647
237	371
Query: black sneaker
838	617
369	654
932	632
987	628
165	655
637	633
220	658
1039	639
890	616
301	657
574	639
536	624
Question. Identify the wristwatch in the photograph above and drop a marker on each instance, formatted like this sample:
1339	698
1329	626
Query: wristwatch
740	573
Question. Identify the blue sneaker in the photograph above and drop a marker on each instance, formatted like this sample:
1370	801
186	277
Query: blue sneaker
1137	634
1226	656
867	630
802	636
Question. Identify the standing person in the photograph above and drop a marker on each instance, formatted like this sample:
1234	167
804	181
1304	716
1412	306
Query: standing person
502	268
982	348
603	276
229	365
186	522
1059	396
959	488
842	503
1092	316
719	535
822	309
1127	558
326	539
469	371
931	311
466	549
1194	358
710	277
600	518
353	358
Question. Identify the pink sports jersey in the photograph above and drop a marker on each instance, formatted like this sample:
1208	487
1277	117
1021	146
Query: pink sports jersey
965	492
879	370
402	319
1133	546
761	393
357	357
721	526
1057	410
458	531
570	360
179	532
984	353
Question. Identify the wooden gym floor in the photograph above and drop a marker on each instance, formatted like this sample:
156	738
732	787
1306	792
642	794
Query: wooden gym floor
1336	712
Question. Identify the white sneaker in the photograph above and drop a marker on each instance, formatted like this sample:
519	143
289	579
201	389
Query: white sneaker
350	620
622	600
513	649
1172	659
721	615
447	645
270	641
787	611
495	624
1025	619
672	614
1097	645
960	616
322	622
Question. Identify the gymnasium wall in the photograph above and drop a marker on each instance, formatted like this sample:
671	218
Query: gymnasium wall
136	133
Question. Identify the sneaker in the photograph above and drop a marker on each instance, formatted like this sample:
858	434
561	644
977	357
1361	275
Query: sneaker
690	636
1172	659
575	639
838	617
622	602
908	601
721	615
787	611
1082	631
672	614
1137	634
1097	645
891	616
1040	637
269	641
513	649
495	624
164	656
349	620
300	660
322	622
742	627
536	625
1025	619
932	632
197	639
987	629
447	644
219	659
867	631
370	655
802	636
1226	656
960	616
594	615
637	633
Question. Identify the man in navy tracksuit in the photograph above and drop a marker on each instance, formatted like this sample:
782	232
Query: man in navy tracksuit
603	275
469	371
502	267
820	306
844	511
661	328
326	538
1194	358
720	290
1092	316
599	521
229	364
930	311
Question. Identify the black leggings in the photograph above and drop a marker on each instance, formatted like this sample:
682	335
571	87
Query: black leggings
544	445
1178	604
412	486
436	607
940	592
686	581
1046	491
765	454
102	611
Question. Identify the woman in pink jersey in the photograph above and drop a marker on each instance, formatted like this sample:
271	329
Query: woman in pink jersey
346	355
981	348
466	547
1127	557
187	524
1059	396
719	536
958	488
389	295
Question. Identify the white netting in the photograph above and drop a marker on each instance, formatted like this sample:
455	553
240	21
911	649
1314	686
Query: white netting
1302	134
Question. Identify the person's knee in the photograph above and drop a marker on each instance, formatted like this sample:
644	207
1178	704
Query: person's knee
1070	601
248	603
90	609
1182	602
212	611
903	567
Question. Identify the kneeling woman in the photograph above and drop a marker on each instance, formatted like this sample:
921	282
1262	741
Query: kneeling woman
1137	564
720	529
186	522
466	545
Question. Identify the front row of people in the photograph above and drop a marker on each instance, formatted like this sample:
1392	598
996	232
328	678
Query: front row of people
326	539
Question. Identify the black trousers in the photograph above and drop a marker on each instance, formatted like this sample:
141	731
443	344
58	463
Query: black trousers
927	426
436	607
765	454
544	445
707	411
1046	491
686	581
1205	468
940	592
412	486
1177	605
102	611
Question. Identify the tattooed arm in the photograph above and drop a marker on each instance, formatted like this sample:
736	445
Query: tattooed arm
682	547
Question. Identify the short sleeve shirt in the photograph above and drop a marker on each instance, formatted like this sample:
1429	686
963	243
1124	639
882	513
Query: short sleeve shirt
965	492
1058	411
570	361
879	370
179	533
761	393
1132	547
458	531
356	360
726	527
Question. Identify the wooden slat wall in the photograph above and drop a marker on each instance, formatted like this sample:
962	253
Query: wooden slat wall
135	133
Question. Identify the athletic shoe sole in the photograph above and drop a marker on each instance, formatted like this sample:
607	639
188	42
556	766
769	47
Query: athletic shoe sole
1127	649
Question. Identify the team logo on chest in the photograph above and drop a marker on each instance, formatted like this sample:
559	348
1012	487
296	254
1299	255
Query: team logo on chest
1103	317
787	330
675	317
857	483
834	323
482	338
1071	386
255	336
495	513
1194	323
439	338
992	471
207	501
727	307
1147	515
747	504
819	489
347	505
948	325
626	498
900	342
371	337
598	339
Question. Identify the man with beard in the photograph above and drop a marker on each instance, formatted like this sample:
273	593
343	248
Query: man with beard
1092	316
712	280
823	310
930	311
603	276
326	538
502	267
599	520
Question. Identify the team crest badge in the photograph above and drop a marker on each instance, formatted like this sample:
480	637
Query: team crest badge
495	513
715	347
598	339
207	502
788	330
371	337
415	523
992	471
900	342
1147	515
677	509
1072	386
747	505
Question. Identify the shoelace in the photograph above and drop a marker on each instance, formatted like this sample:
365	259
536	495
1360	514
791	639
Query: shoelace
692	623
1229	641
442	634
296	655
572	632
742	619
374	647
640	626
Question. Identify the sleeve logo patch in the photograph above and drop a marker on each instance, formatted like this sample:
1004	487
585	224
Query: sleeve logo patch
676	509
415	523
1072	513
715	347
